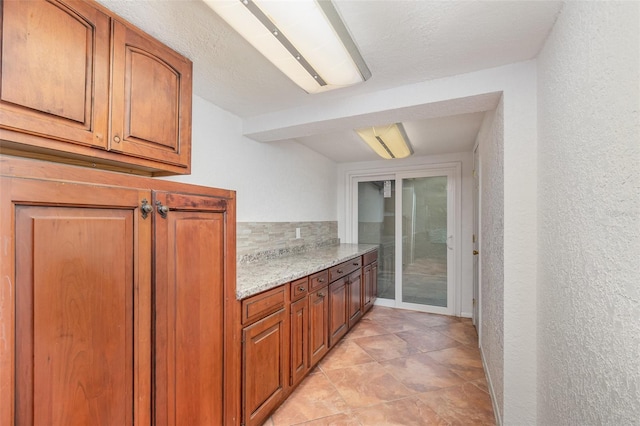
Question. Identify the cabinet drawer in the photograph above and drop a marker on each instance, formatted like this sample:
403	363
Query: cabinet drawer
344	268
372	256
299	288
263	304
318	280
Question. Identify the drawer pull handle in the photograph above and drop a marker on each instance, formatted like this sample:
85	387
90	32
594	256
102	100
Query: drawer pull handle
301	289
339	271
320	280
321	294
356	264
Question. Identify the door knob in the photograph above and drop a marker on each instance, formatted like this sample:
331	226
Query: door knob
475	252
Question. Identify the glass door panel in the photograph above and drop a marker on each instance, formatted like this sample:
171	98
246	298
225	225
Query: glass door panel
376	225
424	241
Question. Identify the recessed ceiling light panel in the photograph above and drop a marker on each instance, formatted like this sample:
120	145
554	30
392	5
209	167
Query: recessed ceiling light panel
305	39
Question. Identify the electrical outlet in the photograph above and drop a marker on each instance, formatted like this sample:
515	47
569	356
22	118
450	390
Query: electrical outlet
298	233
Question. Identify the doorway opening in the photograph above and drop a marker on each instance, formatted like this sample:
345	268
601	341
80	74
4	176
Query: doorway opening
413	217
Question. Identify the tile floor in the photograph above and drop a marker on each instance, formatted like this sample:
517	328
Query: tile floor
395	367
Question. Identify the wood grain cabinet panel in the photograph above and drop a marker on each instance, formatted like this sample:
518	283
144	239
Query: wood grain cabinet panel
55	71
264	367
354	291
299	324
77	84
82	300
188	306
318	325
93	334
338	311
151	94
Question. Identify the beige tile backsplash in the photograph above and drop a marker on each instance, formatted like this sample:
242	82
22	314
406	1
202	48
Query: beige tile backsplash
265	240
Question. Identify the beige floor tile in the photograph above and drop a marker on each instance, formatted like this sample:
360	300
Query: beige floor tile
367	384
462	360
345	354
463	332
342	419
408	411
365	328
421	373
428	340
461	405
316	397
385	347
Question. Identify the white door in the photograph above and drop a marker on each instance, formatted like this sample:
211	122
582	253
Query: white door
415	222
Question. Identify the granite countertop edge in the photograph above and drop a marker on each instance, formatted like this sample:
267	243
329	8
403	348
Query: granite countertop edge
256	277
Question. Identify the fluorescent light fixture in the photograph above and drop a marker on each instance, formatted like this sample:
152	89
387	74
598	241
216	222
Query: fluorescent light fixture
388	142
305	39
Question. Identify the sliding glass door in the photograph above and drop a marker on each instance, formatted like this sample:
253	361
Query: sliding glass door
411	216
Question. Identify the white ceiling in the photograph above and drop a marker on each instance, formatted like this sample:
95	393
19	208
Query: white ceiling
402	42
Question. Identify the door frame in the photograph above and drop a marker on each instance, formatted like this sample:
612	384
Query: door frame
453	170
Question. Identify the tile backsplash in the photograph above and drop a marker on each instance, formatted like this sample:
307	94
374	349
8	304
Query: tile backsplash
266	240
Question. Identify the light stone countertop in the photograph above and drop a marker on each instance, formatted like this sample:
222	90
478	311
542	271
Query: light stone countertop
256	277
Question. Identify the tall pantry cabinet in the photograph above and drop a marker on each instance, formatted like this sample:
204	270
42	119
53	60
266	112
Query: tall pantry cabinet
117	291
112	299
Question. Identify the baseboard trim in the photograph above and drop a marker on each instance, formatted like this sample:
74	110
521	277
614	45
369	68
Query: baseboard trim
492	393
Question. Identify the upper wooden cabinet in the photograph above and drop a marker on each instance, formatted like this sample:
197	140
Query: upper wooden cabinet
79	84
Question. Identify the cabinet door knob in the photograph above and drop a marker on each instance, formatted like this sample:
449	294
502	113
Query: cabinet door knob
116	139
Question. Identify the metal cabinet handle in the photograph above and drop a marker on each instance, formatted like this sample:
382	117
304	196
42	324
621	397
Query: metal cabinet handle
320	280
339	271
321	294
301	289
163	210
146	208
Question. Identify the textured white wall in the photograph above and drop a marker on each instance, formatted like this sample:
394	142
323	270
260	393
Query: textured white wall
589	217
275	182
491	152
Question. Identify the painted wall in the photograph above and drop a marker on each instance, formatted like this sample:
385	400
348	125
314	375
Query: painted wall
491	158
589	217
275	182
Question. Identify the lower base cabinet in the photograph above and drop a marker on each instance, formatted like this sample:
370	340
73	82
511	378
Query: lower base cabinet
117	304
338	312
318	329
299	340
288	329
264	367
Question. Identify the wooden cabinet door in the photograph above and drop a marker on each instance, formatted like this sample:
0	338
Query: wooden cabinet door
374	282
354	291
54	77
367	287
299	324
82	298
189	247
318	325
338	312
151	99
264	367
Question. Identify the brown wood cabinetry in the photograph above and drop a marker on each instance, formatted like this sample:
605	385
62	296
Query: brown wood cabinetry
92	318
338	313
189	253
369	280
354	291
264	366
299	324
290	328
318	325
78	84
